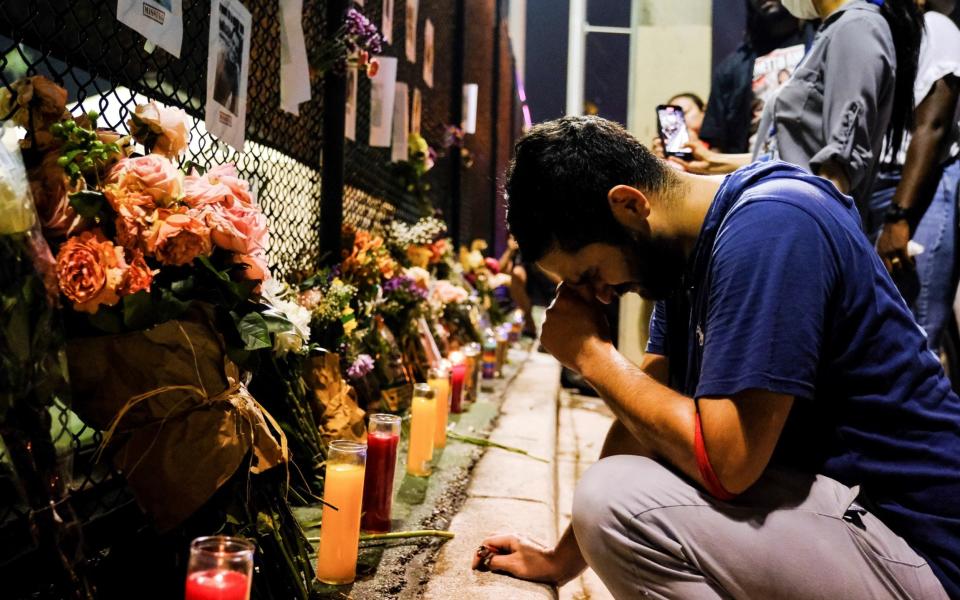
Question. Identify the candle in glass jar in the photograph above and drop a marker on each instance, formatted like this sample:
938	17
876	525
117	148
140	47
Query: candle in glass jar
439	380
457	375
471	356
220	568
217	584
383	437
489	356
503	343
423	421
340	527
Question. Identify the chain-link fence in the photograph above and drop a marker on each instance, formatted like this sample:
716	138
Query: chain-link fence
106	67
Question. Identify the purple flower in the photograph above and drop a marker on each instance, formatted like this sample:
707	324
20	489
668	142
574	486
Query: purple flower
360	32
360	367
403	283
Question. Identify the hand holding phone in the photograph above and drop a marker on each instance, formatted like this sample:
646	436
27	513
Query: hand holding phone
674	134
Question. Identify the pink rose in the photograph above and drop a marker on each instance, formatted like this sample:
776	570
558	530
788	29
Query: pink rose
178	238
163	130
237	228
90	270
138	277
131	232
256	269
448	293
133	180
220	184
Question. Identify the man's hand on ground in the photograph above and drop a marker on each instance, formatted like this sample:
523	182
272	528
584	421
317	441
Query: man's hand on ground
574	326
523	558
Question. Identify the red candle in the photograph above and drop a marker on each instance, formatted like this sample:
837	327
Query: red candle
382	444
457	375
217	584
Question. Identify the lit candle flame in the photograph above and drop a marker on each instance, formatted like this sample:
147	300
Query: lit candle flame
456	357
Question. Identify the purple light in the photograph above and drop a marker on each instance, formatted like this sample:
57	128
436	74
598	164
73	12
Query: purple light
527	120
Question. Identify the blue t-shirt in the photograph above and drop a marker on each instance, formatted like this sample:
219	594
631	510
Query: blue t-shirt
784	293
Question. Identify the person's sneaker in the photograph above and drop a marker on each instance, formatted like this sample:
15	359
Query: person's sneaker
572	379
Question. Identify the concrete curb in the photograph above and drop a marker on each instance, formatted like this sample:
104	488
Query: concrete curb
508	492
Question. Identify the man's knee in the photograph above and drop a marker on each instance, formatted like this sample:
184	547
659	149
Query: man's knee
615	490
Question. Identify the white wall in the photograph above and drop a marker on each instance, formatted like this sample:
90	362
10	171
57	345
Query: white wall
672	46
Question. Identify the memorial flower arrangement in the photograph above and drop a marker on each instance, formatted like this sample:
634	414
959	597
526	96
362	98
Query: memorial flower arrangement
354	44
484	275
158	272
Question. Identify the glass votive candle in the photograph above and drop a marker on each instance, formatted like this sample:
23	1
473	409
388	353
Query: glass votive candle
220	568
423	421
471	356
383	437
503	343
458	375
340	527
439	381
489	357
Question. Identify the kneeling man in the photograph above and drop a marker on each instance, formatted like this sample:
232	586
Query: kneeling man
788	435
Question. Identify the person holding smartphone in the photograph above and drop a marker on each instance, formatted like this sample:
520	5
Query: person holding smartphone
853	89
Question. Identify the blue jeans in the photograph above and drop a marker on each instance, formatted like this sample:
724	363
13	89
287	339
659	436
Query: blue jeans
937	233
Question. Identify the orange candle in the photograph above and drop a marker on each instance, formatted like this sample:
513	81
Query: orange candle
423	422
340	528
440	384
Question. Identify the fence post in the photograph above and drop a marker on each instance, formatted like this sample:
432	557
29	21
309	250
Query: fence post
334	112
456	94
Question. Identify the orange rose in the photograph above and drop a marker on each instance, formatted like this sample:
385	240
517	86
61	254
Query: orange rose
238	228
178	238
163	130
90	269
141	177
138	276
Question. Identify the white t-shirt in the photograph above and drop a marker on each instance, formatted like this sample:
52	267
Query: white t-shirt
939	57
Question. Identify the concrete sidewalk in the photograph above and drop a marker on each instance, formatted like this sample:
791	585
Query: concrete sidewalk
508	492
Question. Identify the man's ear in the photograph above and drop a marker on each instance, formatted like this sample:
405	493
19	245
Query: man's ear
630	206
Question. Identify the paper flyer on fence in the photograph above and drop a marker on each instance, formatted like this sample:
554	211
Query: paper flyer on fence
160	21
350	115
428	53
410	27
416	112
382	94
228	66
401	123
386	22
294	70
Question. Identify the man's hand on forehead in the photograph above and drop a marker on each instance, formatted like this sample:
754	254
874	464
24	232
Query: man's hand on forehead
575	323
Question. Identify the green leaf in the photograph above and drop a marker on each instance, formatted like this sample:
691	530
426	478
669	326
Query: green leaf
139	311
190	165
169	307
107	320
276	322
254	332
88	204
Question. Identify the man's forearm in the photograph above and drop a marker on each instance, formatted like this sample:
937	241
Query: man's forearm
660	420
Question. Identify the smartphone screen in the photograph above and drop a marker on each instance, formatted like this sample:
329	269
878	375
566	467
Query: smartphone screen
673	131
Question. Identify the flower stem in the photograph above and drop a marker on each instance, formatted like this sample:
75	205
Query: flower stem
400	535
487	443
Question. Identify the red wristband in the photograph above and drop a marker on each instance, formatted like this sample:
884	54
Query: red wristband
710	479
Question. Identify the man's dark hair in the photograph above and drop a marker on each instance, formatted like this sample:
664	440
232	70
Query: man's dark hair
559	178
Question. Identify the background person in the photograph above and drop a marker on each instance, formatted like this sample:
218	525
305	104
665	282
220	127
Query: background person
916	194
728	118
853	89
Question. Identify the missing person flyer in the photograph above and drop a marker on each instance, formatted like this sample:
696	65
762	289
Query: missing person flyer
228	67
160	21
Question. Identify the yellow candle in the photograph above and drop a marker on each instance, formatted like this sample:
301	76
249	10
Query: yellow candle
440	384
423	421
340	529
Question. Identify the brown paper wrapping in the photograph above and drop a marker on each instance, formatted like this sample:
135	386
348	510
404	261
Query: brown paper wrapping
175	413
334	399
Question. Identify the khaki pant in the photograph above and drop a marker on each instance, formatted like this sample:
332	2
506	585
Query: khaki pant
649	533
